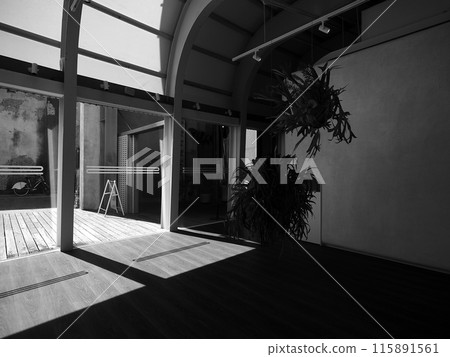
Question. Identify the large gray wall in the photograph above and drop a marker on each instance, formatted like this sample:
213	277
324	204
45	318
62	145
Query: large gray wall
388	192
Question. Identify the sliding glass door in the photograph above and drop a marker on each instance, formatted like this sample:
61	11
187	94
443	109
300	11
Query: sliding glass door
204	175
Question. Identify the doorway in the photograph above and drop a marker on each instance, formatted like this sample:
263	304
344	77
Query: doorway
148	194
208	214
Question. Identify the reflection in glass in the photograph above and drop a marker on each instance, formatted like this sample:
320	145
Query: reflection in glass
209	213
28	172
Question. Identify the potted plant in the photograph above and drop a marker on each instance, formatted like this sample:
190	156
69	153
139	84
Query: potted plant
308	105
289	203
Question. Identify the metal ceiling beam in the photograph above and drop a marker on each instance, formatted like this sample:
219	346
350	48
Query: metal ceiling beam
120	63
301	29
50	42
227	23
207	88
127	19
212	54
296	10
29	35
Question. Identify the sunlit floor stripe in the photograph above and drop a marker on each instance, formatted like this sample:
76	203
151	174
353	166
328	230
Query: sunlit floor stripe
172	251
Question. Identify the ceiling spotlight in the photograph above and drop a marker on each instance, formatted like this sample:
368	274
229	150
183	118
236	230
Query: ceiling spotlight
256	57
323	28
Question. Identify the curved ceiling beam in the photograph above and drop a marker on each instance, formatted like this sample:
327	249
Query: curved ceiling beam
194	14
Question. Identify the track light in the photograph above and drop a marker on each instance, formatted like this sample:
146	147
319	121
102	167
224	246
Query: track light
256	57
323	28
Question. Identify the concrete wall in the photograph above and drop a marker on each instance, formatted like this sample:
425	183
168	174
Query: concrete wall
23	136
90	155
98	147
387	193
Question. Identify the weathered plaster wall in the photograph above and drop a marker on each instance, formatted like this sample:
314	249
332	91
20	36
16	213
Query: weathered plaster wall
23	137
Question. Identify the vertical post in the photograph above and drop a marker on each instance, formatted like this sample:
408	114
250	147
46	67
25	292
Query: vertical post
67	127
110	153
235	134
242	133
170	191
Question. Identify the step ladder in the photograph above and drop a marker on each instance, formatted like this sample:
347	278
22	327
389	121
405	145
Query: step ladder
111	191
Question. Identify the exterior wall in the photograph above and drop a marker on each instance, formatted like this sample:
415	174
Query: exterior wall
387	193
98	147
23	131
90	155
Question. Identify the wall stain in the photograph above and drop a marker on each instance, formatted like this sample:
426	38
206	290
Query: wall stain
10	104
16	137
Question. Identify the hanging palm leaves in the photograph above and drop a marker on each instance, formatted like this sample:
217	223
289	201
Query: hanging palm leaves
308	104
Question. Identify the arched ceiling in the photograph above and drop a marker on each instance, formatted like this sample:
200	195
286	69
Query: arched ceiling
235	26
163	45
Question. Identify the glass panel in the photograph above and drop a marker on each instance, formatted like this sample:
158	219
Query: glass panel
41	17
111	37
117	194
149	194
250	146
28	172
159	14
29	51
209	212
115	74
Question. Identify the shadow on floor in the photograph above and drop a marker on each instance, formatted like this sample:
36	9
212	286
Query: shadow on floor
262	294
30	201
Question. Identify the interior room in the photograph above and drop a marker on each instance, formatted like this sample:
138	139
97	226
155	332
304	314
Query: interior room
152	155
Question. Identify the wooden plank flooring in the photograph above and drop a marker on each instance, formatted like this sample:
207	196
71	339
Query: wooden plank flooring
23	232
193	287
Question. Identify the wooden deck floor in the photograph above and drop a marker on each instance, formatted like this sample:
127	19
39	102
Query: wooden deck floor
23	232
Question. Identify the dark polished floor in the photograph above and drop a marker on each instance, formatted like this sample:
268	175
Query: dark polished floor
192	287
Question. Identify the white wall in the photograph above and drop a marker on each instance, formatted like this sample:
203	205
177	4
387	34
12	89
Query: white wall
402	13
388	192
